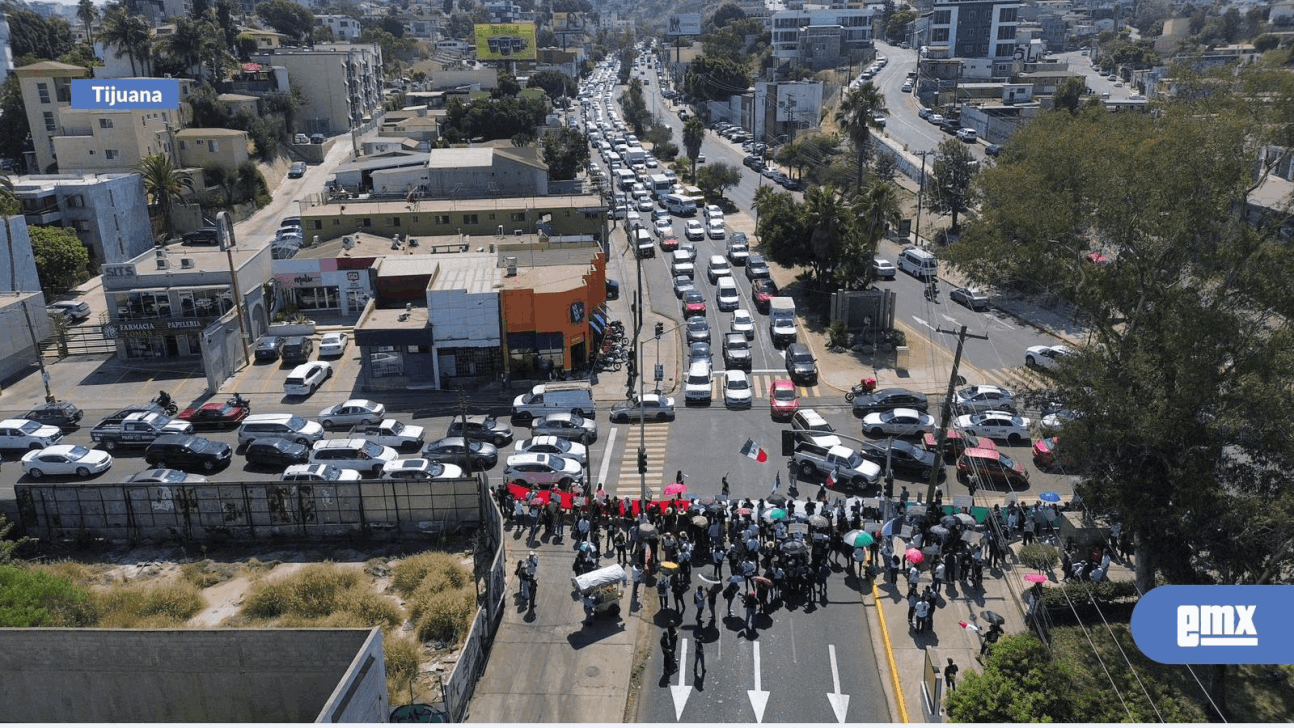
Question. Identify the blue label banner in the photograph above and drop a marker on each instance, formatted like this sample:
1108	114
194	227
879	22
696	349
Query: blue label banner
112	94
1214	625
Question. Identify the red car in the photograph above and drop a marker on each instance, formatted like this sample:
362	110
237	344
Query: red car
763	290
214	416
783	399
991	466
956	443
693	303
669	244
1047	454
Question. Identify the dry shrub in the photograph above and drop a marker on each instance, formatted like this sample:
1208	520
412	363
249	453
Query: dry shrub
314	591
148	605
337	620
207	573
255	568
408	575
447	615
79	574
402	659
374	609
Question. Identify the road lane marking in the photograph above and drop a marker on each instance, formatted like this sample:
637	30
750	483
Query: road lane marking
606	455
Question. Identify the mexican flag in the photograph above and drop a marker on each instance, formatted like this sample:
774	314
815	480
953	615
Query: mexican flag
754	452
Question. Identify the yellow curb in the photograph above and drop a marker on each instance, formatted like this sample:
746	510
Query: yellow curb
889	655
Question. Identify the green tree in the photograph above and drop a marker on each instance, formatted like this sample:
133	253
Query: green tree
875	211
693	136
725	14
554	83
1183	384
33	598
566	152
948	184
896	29
717	177
660	137
1020	684
780	227
129	34
827	215
633	105
1068	94
288	18
507	85
714	78
61	257
164	184
87	12
30	34
9	546
857	117
13	120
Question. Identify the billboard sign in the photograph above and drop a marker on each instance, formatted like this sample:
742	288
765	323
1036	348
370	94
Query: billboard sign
684	24
504	41
568	22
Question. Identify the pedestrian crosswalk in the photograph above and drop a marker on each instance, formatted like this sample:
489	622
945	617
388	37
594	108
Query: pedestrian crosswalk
760	384
655	439
1019	378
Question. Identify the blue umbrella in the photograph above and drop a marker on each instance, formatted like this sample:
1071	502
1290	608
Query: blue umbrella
1050	497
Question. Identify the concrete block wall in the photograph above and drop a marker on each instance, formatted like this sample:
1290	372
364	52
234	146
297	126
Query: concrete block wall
209	676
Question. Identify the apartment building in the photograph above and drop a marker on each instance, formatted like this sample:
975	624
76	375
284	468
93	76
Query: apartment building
975	28
46	89
108	211
811	34
342	83
228	148
94	140
343	27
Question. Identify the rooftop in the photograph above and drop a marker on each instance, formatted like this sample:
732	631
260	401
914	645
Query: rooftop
204	257
472	272
395	318
398	207
462	157
548	278
208	132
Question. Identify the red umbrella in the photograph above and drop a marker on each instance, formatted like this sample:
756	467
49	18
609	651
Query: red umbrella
1035	578
537	501
675	489
914	556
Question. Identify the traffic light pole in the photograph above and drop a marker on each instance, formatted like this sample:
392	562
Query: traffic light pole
945	414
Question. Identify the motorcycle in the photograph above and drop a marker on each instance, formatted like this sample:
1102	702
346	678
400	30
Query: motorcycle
239	400
167	404
864	387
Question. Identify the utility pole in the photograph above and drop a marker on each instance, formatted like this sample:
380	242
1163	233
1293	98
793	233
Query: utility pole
921	190
945	413
40	357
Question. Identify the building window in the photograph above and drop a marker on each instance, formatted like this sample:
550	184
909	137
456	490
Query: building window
1006	15
110	153
518	217
49	121
939	35
215	145
43	90
395	222
366	222
1006	32
943	17
470	220
442	219
318	224
105	123
183	145
321	297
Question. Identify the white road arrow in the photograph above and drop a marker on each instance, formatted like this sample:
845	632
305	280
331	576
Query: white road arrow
923	323
681	691
839	702
758	697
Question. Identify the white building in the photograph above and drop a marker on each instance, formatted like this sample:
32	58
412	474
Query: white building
785	109
975	28
791	28
108	211
343	27
342	83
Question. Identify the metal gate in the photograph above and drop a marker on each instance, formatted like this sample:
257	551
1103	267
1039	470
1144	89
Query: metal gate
81	340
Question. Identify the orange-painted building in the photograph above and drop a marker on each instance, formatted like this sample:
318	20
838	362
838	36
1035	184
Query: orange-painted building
546	311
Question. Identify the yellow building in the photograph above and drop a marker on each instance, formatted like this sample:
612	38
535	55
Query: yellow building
227	148
46	88
96	141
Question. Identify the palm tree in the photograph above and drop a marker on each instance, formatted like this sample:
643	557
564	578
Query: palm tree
693	135
873	211
857	116
827	214
187	44
164	183
129	35
88	12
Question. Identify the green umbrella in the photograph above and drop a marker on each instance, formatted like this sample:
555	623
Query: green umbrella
859	538
774	514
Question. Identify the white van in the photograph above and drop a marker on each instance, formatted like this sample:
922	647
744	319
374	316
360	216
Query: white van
918	263
642	243
625	179
680	205
726	291
554	398
681	264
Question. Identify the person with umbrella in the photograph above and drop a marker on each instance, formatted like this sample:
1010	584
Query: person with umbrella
991	637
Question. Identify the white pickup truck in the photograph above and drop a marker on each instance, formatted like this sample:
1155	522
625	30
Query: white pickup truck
391	433
845	465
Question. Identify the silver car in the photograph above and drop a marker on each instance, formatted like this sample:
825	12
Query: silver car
566	426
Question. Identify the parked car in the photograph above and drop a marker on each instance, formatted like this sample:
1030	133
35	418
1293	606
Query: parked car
276	452
318	473
991	466
202	236
898	423
298	169
654	407
352	412
362	455
883	269
455	450
188	451
268	348
75	460
983	398
71	311
481	427
165	476
59	413
996	425
292	427
420	469
1046	357
333	344
904	457
810	426
568	426
553	446
543	469
214	416
889	398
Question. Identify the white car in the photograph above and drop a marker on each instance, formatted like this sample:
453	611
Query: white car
420	469
1046	357
306	378
543	469
742	323
715	230
77	460
736	389
738	253
554	446
984	398
353	412
22	434
664	228
712	213
967	134
883	268
645	204
718	268
333	344
898	422
693	230
319	473
633	218
995	426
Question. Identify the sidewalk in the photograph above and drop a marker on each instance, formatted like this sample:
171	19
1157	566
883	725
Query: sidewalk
549	667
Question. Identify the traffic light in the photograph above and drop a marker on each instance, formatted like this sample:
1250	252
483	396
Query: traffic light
660	329
788	443
642	461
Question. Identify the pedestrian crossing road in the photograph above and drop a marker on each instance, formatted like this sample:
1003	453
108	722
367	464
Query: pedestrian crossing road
655	435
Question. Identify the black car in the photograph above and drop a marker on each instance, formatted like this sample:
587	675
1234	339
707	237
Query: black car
202	236
61	414
481	427
800	364
186	452
993	150
276	452
904	457
269	348
613	289
453	450
757	268
883	400
950	126
793	185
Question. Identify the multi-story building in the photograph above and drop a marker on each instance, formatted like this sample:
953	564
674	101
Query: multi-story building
781	110
343	27
94	140
226	148
791	29
46	88
108	211
976	29
342	84
22	319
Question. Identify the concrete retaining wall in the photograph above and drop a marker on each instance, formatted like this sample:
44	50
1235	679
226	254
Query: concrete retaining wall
197	676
